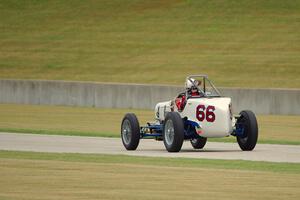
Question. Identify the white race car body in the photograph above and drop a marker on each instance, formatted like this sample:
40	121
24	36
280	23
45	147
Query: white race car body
196	114
213	115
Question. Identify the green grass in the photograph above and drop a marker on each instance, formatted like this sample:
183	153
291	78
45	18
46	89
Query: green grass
60	120
249	43
27	175
60	132
293	168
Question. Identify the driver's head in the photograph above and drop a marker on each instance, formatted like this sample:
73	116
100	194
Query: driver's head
192	84
194	89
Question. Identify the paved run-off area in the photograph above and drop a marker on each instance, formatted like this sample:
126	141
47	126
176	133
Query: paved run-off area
212	150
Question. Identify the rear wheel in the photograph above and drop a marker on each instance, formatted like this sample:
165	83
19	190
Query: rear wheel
248	121
198	143
173	132
130	131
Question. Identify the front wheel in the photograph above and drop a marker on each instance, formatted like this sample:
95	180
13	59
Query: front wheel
130	131
248	122
173	132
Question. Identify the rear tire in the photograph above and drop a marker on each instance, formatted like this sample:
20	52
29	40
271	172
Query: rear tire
249	140
198	143
130	131
173	132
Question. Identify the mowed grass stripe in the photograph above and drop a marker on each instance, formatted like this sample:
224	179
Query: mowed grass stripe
249	43
156	161
74	176
62	120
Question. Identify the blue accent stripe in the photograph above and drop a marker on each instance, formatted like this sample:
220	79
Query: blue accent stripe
192	123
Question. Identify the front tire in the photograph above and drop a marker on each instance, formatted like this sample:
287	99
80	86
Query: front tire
248	141
130	131
198	143
173	132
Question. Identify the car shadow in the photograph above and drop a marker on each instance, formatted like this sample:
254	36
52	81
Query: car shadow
209	150
194	150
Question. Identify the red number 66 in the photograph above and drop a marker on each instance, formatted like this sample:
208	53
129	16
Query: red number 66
209	115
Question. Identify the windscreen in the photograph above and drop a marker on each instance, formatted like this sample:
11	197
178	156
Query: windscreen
206	86
210	89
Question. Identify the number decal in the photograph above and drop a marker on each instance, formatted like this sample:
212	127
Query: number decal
209	115
200	113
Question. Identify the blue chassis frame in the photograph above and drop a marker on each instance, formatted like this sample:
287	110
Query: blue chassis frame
154	131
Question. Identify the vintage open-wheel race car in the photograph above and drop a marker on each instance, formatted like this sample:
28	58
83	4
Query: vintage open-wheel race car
200	112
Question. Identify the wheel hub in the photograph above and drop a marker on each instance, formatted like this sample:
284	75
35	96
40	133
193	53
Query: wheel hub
169	132
126	131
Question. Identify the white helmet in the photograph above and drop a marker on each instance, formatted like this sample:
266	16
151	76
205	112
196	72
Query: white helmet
191	83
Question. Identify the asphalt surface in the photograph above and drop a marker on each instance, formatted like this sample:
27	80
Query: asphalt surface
152	148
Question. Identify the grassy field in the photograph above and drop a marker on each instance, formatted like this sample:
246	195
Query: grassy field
77	176
249	43
106	122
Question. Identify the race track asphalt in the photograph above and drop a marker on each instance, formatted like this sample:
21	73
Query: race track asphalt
152	148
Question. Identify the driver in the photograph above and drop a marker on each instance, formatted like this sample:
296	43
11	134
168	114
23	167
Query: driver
191	86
